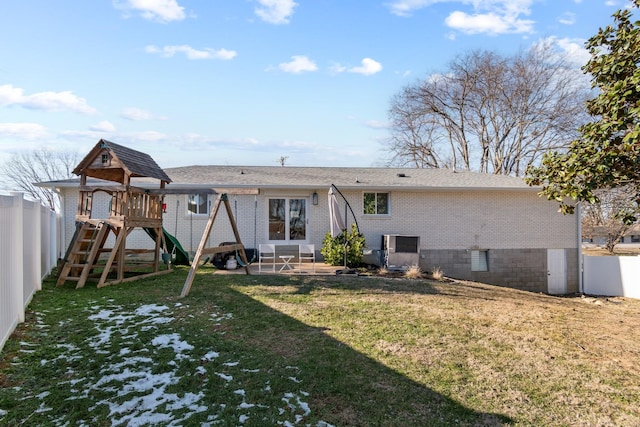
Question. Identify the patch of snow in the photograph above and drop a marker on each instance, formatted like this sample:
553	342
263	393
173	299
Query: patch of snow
210	356
172	341
224	377
294	403
159	320
69	347
139	395
42	408
146	310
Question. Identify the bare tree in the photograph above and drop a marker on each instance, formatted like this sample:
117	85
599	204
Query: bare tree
607	218
489	113
24	170
282	160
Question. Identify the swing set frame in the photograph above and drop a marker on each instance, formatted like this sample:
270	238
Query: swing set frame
222	199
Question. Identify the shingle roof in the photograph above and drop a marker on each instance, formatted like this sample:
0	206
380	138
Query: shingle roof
138	164
344	178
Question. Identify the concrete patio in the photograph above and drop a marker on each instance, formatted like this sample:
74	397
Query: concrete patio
321	269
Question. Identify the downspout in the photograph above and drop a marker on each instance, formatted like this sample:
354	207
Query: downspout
580	260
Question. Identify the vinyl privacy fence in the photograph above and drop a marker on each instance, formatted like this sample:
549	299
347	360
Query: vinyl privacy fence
612	275
28	252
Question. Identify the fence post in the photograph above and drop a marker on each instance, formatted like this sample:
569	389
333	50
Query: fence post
16	254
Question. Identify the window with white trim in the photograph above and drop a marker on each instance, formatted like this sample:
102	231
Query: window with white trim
479	260
376	203
198	204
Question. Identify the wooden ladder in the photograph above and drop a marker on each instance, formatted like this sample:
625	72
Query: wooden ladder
83	253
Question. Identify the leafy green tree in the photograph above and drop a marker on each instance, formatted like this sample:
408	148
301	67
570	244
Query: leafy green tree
607	154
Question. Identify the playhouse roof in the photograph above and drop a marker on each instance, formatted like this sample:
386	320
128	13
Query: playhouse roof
125	162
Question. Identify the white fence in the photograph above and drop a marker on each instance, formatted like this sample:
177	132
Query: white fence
612	275
28	252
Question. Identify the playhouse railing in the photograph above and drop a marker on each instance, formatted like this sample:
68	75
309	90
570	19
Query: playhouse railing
132	206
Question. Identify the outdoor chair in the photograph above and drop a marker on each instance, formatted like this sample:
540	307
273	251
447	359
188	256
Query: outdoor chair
306	253
267	256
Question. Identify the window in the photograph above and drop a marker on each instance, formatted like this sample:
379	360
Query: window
287	219
635	238
105	159
376	203
479	260
198	204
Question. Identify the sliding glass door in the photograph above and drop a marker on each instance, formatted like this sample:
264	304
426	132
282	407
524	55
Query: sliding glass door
287	220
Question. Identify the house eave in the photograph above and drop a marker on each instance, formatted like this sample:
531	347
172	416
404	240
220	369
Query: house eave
184	187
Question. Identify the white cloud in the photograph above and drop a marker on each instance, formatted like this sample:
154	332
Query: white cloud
337	68
26	131
191	53
567	18
275	11
299	64
154	10
197	142
137	114
47	101
572	50
405	7
148	136
486	16
490	23
368	67
377	124
103	126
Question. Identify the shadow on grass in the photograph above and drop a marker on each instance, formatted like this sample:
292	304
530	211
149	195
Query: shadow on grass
346	387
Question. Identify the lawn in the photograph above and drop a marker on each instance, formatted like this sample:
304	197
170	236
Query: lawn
320	351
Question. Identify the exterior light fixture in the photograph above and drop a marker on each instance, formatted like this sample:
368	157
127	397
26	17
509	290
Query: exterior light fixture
314	198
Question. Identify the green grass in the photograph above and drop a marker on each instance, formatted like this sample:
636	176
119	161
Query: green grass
318	351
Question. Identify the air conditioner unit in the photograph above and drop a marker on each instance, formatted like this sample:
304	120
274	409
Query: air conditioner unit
400	251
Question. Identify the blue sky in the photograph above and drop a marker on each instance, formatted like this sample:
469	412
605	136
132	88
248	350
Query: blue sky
246	82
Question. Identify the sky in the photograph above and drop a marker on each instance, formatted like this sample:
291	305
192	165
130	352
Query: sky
248	82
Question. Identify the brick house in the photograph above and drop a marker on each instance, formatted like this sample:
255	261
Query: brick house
489	228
